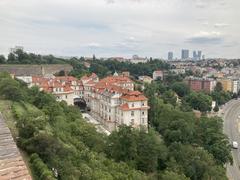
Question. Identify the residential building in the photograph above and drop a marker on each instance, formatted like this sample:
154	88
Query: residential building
158	75
201	84
145	79
114	102
126	73
88	82
111	100
136	59
235	86
227	84
61	90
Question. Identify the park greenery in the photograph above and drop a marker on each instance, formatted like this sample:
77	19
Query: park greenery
61	145
177	146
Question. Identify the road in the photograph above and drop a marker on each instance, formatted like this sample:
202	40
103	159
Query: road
96	123
232	130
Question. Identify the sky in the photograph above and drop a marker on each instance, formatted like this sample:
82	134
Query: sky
121	28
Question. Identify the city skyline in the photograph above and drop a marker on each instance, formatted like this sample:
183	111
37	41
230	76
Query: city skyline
147	28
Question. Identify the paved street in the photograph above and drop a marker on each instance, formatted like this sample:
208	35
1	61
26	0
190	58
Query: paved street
231	128
96	123
12	165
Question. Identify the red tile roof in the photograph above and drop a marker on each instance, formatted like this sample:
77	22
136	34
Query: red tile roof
133	96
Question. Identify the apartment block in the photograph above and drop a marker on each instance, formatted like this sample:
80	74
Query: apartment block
201	84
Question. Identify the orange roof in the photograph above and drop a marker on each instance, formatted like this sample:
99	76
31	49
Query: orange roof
125	107
133	96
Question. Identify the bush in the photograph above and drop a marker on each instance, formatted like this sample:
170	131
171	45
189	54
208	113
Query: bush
40	168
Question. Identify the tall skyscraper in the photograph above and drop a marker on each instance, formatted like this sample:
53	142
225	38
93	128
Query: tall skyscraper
185	54
199	55
195	57
170	55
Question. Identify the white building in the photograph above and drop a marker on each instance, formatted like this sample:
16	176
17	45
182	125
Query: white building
235	86
158	75
115	103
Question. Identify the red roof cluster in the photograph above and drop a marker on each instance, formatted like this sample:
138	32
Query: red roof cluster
113	84
133	96
48	84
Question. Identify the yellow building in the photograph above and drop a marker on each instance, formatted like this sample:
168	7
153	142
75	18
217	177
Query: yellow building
226	84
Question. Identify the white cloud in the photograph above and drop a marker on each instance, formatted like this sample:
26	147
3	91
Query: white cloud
119	27
220	25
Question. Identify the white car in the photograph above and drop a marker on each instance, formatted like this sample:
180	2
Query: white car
235	144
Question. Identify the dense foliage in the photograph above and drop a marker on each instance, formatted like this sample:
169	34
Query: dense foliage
197	146
178	146
61	138
103	68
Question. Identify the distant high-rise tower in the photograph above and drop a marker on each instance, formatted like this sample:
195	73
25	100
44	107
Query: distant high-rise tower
199	55
185	54
195	57
170	55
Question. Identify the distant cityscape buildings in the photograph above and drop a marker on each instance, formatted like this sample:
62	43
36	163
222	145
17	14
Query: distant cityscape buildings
170	55
185	54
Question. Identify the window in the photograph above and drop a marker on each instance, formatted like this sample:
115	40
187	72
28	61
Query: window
132	104
132	121
66	96
109	110
132	113
142	120
143	113
143	104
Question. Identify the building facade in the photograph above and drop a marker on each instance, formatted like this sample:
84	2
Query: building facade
227	84
185	54
114	102
158	75
111	100
201	84
170	56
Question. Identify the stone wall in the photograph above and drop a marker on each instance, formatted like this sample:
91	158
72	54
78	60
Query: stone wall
34	70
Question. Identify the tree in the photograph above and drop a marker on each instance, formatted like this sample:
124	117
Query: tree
11	58
143	150
209	133
199	101
218	87
216	108
196	162
2	59
170	175
180	88
170	97
10	89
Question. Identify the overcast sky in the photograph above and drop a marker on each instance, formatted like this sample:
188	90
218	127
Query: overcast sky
121	27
